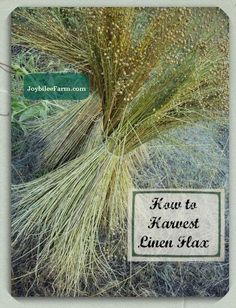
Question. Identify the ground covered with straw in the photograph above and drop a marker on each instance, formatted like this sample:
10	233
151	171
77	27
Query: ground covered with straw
157	117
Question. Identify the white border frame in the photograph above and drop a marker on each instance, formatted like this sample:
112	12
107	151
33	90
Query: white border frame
6	300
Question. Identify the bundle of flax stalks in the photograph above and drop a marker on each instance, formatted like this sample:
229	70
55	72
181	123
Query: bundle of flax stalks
151	70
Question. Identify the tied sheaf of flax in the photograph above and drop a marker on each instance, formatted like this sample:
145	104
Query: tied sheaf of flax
151	70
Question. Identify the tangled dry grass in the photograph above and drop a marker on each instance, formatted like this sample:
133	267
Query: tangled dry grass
151	71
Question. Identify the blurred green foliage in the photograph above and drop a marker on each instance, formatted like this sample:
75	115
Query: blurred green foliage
23	112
